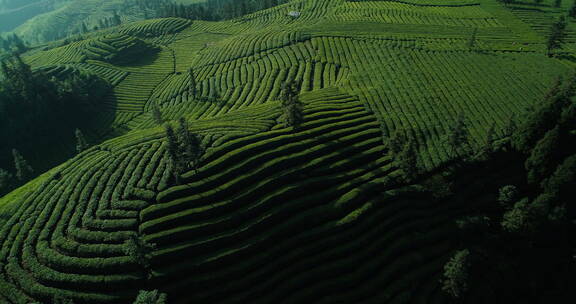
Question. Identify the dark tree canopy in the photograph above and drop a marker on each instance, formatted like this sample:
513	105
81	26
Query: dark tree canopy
37	107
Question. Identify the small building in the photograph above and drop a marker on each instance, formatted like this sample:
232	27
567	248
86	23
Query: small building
294	14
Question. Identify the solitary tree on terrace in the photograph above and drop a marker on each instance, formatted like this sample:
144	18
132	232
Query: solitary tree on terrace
190	145
139	250
557	36
192	85
81	143
458	135
23	170
408	160
150	297
456	273
471	44
157	114
292	115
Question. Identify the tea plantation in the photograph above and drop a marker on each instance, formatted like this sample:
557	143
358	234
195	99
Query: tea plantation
324	211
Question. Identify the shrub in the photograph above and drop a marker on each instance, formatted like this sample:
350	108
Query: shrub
456	273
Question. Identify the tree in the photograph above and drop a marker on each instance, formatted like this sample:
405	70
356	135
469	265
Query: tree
23	170
524	217
292	113
139	250
572	11
173	152
511	126
397	141
507	195
489	140
546	116
557	36
408	160
458	135
81	143
192	85
150	297
190	145
557	3
543	157
471	44
561	182
184	148
6	181
456	273
157	114
473	224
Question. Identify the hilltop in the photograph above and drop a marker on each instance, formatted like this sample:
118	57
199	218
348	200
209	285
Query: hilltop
324	212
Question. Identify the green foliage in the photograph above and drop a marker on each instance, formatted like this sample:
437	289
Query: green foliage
561	182
456	274
572	11
557	3
6	181
507	196
184	148
81	143
471	43
192	85
150	297
557	36
473	224
543	157
139	250
12	44
457	138
37	108
292	115
157	114
190	144
24	171
545	116
213	10
524	218
404	150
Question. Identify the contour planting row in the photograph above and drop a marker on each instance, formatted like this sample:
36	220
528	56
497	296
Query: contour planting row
344	181
419	90
134	91
396	12
154	27
70	240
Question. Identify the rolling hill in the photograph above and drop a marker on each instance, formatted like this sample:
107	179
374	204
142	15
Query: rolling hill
321	213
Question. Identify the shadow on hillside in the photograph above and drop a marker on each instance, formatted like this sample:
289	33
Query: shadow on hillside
569	57
143	59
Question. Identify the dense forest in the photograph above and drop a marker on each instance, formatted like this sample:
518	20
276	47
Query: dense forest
31	99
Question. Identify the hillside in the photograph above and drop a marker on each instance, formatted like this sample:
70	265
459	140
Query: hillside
327	210
40	21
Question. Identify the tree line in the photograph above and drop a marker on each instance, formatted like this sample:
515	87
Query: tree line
529	220
37	106
215	10
12	44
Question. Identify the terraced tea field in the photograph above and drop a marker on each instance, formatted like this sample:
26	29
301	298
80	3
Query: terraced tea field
315	214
